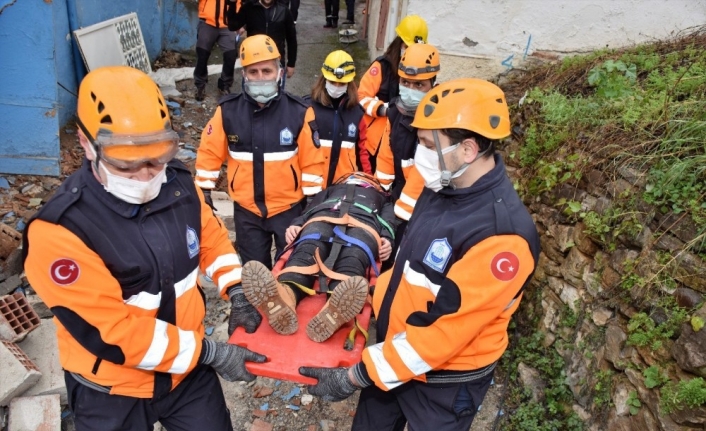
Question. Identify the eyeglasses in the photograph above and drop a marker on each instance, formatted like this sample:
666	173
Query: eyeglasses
412	71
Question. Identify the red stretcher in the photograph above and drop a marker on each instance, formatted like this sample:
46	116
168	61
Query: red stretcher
286	353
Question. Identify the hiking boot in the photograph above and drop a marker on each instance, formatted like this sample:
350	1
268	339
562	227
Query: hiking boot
274	300
200	92
348	22
224	91
346	301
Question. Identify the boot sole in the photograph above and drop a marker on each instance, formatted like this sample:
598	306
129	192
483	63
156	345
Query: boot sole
346	301
260	288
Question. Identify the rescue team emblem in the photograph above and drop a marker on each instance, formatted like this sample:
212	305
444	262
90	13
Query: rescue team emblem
438	254
192	242
286	137
64	271
351	130
209	130
504	266
374	71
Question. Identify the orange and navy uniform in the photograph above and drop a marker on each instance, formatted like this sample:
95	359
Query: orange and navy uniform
121	279
377	87
443	310
271	164
395	162
340	134
217	12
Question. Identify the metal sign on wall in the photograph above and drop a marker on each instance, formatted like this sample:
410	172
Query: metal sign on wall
117	41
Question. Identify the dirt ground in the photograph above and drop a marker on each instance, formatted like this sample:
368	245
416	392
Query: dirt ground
265	404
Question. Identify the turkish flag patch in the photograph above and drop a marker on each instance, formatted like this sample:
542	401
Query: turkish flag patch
374	71
64	271
505	266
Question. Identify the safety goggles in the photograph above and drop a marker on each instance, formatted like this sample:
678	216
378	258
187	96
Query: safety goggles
134	151
413	71
339	72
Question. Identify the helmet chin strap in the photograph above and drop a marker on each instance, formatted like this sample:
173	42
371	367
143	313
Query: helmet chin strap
92	142
446	175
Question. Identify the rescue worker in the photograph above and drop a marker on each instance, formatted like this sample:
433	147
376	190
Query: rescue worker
334	121
115	254
344	231
418	69
469	250
274	19
380	84
271	167
214	16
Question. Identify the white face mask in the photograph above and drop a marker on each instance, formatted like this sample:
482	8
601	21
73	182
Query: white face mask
410	97
262	91
427	162
335	91
133	191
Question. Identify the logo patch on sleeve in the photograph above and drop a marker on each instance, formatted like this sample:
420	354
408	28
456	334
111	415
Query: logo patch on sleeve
505	266
192	242
64	271
351	130
438	254
374	71
286	137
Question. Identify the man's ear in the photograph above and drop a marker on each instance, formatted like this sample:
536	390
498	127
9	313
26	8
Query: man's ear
470	149
87	146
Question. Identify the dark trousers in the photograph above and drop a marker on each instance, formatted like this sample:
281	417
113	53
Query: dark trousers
294	8
207	36
351	261
350	10
253	234
196	404
422	406
331	7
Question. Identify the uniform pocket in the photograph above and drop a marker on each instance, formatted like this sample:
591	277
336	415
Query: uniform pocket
294	175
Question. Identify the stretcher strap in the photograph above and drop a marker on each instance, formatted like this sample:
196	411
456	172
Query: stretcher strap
350	340
326	271
359	243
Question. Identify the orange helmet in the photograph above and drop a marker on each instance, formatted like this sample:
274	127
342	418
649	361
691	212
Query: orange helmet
123	114
471	104
412	29
255	49
420	62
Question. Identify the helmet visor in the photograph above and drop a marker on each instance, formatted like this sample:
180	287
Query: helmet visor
133	151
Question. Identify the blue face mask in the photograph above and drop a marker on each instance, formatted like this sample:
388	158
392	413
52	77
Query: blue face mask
409	97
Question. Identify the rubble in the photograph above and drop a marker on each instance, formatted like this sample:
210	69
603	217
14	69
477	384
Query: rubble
41	347
35	414
19	373
17	318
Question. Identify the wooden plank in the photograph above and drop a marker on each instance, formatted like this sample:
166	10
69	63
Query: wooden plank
382	24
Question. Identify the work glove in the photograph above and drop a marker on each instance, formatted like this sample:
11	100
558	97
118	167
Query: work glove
208	199
242	312
333	383
229	360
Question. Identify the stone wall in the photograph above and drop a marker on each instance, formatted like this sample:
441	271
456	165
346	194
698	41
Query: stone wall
577	272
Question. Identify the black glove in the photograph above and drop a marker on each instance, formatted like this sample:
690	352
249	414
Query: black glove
333	383
208	199
242	312
229	360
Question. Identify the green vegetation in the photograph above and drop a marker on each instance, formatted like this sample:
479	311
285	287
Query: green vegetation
685	394
633	403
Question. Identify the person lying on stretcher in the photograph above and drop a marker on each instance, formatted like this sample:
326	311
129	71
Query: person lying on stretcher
344	231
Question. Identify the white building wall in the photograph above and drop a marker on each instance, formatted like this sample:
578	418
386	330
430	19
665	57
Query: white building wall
500	33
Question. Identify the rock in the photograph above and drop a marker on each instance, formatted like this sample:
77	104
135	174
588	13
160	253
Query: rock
260	425
615	339
531	379
39	307
10	285
621	257
327	425
650	401
307	399
13	263
574	265
583	242
551	306
688	298
571	297
263	392
41	413
601	315
32	190
621	393
563	235
690	348
690	270
10	240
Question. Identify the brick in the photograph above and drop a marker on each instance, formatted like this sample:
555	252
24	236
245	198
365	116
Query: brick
18	372
41	347
35	414
10	239
260	425
10	284
17	317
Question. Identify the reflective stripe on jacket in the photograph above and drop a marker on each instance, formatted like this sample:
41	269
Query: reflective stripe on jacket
121	279
271	165
458	277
